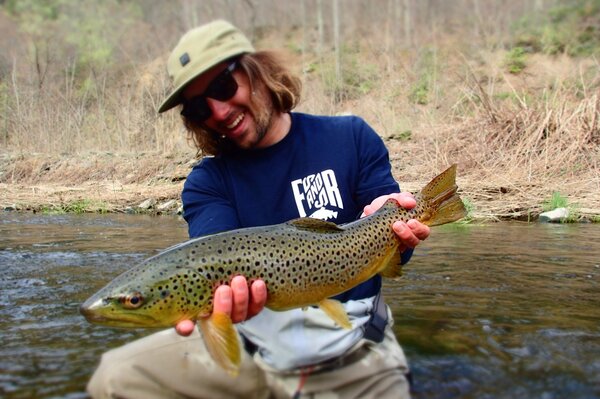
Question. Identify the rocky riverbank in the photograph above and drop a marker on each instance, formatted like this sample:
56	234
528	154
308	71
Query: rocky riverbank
141	183
151	183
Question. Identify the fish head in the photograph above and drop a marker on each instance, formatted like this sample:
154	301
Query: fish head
143	297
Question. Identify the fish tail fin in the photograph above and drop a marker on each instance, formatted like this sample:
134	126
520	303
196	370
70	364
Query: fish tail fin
221	340
442	203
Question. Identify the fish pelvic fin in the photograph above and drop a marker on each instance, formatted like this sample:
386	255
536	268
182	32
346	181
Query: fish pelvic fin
442	203
221	340
334	309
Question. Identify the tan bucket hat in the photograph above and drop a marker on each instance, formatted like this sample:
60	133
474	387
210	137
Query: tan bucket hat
199	50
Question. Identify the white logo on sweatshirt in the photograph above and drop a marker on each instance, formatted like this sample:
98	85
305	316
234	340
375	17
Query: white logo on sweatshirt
316	194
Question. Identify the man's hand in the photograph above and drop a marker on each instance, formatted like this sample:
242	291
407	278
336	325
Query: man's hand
239	302
409	234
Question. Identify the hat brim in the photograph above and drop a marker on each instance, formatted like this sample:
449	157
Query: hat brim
174	98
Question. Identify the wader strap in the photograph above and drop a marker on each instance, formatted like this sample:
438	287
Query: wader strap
249	346
374	330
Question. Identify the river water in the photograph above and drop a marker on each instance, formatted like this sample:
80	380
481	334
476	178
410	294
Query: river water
501	310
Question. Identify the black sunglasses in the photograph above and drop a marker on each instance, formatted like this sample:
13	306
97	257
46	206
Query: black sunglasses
222	88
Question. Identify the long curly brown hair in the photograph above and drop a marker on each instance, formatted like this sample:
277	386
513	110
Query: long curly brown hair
264	68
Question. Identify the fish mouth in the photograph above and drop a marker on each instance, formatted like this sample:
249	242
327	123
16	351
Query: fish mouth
116	319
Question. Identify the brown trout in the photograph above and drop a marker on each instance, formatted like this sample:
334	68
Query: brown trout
303	262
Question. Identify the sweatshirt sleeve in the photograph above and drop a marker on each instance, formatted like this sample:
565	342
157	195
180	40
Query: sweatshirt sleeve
374	168
206	207
375	171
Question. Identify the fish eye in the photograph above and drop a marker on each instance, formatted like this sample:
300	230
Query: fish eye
132	301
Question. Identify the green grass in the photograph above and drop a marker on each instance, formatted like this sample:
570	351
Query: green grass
77	207
570	27
404	135
557	200
420	92
470	207
357	78
515	60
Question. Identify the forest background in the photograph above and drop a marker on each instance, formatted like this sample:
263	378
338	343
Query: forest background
508	89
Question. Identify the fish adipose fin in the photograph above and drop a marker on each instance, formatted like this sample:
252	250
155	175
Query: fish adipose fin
336	311
221	340
443	205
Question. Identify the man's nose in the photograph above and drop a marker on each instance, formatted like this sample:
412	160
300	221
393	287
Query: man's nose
218	109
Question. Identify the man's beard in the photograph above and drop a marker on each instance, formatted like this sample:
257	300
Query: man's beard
261	109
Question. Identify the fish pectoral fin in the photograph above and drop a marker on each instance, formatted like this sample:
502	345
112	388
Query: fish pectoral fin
221	340
393	265
336	311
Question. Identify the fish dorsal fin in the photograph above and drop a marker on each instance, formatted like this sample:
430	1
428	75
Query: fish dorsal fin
221	340
336	311
315	225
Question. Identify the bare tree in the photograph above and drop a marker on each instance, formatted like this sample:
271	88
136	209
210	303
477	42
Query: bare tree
336	41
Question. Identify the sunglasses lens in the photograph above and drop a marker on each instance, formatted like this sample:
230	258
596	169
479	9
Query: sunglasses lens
222	88
196	109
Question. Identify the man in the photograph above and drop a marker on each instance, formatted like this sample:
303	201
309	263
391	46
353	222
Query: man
269	165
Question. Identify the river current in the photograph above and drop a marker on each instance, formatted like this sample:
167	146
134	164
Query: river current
499	310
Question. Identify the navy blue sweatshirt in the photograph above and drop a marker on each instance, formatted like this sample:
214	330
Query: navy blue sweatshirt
326	167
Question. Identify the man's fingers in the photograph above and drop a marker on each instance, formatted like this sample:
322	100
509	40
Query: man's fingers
419	229
258	297
238	301
405	234
411	233
406	200
241	296
223	300
185	327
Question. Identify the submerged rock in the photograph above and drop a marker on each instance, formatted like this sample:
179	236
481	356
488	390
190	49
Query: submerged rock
557	215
